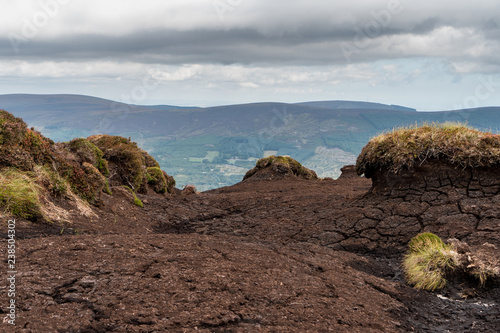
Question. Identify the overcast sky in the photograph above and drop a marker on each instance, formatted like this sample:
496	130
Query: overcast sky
430	55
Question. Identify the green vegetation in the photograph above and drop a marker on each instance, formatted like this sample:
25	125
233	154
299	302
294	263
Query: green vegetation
283	165
106	188
21	147
19	194
51	180
126	156
56	167
429	261
89	153
454	143
34	170
155	178
130	164
137	201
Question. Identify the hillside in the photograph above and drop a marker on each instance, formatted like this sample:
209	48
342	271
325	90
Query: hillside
214	147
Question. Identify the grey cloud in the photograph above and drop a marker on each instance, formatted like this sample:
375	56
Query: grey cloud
308	42
427	25
205	46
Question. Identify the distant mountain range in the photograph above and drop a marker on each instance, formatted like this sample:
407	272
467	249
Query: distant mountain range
215	146
346	105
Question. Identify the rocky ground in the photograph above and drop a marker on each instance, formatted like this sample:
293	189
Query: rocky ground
266	255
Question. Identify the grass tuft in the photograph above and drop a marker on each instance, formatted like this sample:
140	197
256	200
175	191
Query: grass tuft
137	201
19	194
455	143
428	261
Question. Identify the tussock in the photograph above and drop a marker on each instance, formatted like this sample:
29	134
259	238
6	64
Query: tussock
403	148
282	165
428	262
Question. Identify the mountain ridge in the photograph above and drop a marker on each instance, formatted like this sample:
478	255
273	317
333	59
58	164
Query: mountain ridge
212	147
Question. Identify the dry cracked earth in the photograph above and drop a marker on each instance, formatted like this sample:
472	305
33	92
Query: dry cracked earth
265	255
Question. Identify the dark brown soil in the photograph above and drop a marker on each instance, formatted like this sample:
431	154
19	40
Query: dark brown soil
273	255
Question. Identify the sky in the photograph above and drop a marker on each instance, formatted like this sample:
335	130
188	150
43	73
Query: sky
429	55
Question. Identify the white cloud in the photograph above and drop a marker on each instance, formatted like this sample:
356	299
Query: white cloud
279	49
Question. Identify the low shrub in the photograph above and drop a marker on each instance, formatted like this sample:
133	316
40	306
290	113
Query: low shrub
156	179
90	153
124	158
130	165
21	147
85	180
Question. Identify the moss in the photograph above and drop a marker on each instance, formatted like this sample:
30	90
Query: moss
19	194
454	143
428	262
283	165
137	201
106	188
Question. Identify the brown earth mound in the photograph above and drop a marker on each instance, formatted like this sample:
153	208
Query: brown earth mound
131	166
45	181
273	167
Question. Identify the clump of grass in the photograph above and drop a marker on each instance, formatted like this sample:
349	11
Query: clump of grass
454	143
283	165
19	194
106	188
483	272
51	180
428	262
137	201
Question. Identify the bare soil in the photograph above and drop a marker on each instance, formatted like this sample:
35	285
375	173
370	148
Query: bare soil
273	254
